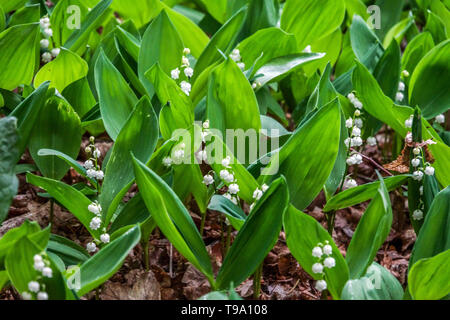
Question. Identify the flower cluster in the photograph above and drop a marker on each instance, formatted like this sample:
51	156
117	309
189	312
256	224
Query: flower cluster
236	57
178	153
91	165
227	176
47	32
400	94
257	194
324	260
96	224
35	287
187	70
355	123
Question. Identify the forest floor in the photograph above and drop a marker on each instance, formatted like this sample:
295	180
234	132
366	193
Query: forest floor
169	279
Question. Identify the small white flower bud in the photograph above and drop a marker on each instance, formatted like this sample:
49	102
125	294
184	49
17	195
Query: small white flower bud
351	96
357	113
89	164
327	249
356	142
26	296
233	188
241	66
409	138
401	86
264	187
208	179
350	183
185	87
229	178
415	162
224	174
206	124
371	141
317	252
347	142
307	49
96	223
416	151
46	57
185	62
329	262
429	171
409	122
44	43
105	238
37	258
186	51
91	173
405	73
33	286
226	162
55	52
97	153
47	272
99	175
189	72
202	156
399	96
317	268
356	131
440	119
417	175
175	74
421	190
38	266
48	32
417	214
349	123
358	123
91	247
321	285
236	55
167	161
358	104
257	194
42	296
351	161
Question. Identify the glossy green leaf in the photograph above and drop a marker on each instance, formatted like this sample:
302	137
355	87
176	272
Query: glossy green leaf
262	14
429	278
370	234
58	127
161	44
107	261
224	40
8	155
278	68
256	237
67	68
3	279
434	236
172	218
116	98
236	106
234	213
176	112
265	45
26	113
387	71
79	38
318	138
133	212
28	14
68	251
311	20
63	16
138	136
376	284
428	82
79	96
416	50
436	27
188	180
69	197
303	234
361	193
19	47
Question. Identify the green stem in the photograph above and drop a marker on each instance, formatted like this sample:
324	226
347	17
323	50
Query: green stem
257	281
202	225
330	221
228	241
146	258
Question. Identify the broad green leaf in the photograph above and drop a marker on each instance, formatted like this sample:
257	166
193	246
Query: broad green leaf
57	127
176	112
107	261
234	213
80	96
436	27
224	40
265	45
69	197
428	87
278	68
19	47
172	218
398	31
2	22
30	229
311	20
318	139
303	233
68	251
139	136
416	50
429	278
187	180
19	265
28	14
231	102
217	9
65	15
161	44
4	279
361	193
133	212
376	284
370	234
390	14
116	98
262	14
257	236
387	70
26	113
8	158
79	38
67	68
434	236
